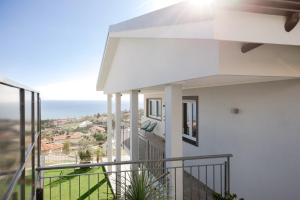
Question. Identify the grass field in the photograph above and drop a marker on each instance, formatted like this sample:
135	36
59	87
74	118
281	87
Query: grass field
91	184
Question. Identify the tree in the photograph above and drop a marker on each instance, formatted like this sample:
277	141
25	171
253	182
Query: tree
99	136
86	142
99	153
85	156
66	147
84	152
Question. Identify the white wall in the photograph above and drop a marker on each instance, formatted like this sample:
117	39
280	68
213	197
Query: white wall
264	137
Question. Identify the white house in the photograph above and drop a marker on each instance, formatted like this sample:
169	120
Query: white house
220	77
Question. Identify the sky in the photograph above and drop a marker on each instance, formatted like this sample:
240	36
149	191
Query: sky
56	46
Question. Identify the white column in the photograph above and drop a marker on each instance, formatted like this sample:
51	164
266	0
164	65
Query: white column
109	129
118	141
118	126
134	117
173	137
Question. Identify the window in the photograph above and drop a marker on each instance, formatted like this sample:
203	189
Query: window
190	120
154	108
28	119
10	145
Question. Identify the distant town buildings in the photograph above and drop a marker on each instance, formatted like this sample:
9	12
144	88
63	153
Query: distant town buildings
85	124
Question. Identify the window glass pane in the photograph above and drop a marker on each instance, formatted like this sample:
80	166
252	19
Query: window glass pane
35	111
27	119
36	156
149	107
9	135
158	108
194	110
185	119
28	179
16	193
190	123
154	108
153	112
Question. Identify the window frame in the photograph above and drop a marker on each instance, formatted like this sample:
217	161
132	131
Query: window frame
158	110
188	138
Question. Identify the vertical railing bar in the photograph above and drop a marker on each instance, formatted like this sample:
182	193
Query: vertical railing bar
79	186
70	193
199	193
60	190
155	163
98	182
165	183
214	178
125	185
22	140
148	150
33	143
50	188
116	184
225	178
191	184
206	182
221	180
106	186
228	169
89	184
175	183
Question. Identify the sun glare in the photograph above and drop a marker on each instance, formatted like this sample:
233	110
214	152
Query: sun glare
201	2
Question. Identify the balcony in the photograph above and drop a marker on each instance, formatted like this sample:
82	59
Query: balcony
196	177
19	140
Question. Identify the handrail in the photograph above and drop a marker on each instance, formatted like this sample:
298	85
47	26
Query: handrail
14	84
204	157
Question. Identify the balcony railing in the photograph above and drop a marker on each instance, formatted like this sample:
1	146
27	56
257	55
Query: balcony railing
199	176
20	130
148	149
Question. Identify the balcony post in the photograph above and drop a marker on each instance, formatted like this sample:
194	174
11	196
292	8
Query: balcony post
173	138
118	142
134	117
109	129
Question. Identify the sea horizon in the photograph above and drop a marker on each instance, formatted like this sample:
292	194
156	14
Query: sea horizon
62	109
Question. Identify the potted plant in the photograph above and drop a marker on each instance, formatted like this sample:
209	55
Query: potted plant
143	186
218	196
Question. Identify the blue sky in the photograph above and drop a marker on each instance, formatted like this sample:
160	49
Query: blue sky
56	45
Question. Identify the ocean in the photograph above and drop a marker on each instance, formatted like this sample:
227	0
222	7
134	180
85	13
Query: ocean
75	109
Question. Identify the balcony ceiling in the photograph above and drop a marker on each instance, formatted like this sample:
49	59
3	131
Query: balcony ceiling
217	80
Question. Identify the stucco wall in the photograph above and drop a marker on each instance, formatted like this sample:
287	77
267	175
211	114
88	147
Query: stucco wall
264	137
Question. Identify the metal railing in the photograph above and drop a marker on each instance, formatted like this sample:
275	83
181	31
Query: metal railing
125	137
198	177
148	150
20	128
59	158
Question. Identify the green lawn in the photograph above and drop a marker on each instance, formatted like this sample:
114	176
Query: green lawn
93	184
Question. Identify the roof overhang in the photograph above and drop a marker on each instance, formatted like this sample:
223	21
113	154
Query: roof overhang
251	21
